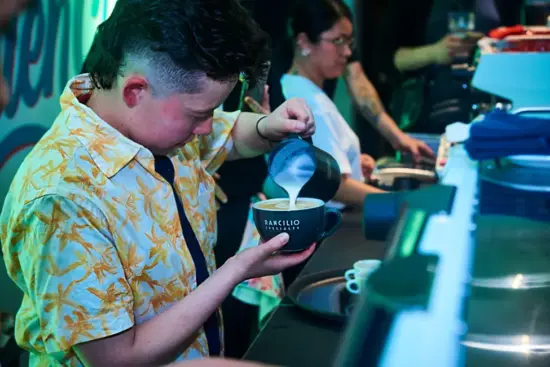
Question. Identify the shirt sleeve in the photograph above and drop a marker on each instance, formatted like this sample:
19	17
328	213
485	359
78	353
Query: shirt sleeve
72	272
326	136
215	147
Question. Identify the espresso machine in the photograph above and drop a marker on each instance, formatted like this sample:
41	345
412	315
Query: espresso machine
466	280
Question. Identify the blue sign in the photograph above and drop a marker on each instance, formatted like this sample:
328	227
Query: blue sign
44	48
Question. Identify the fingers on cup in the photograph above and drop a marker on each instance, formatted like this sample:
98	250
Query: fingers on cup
297	258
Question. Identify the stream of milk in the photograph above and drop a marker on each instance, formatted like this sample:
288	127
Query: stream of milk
293	174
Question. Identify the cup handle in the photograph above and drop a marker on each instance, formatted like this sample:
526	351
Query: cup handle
337	221
350	275
353	287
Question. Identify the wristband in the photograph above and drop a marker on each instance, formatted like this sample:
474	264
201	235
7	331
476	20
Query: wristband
258	129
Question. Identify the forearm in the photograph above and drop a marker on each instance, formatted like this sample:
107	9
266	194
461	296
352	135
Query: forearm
247	143
352	192
164	337
414	58
363	93
369	104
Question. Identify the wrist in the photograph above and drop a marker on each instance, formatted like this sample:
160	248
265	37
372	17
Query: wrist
433	53
234	270
260	128
263	132
389	129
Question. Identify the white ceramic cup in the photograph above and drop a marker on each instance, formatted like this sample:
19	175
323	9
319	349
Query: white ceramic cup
356	277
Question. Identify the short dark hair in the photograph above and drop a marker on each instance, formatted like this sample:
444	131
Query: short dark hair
181	41
314	17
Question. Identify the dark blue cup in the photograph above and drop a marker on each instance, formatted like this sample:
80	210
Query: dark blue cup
311	221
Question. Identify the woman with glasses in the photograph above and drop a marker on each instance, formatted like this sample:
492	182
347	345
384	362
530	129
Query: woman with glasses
323	34
273	20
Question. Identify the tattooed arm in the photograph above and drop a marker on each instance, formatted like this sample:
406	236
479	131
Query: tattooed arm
363	92
366	98
368	102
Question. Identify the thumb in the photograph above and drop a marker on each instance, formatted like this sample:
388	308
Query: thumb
275	244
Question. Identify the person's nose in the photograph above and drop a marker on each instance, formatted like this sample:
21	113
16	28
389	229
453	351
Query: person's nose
347	50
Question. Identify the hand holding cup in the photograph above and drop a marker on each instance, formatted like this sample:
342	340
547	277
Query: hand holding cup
267	258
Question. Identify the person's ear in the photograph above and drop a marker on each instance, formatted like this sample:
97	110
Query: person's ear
304	44
134	90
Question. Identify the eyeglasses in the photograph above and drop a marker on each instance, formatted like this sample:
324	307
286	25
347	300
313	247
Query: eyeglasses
341	41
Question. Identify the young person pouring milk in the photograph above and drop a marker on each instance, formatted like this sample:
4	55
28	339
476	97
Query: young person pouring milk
324	36
323	39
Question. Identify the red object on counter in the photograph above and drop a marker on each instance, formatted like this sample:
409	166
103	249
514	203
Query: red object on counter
503	32
522	39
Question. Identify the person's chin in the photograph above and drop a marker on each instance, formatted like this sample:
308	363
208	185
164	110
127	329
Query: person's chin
169	150
337	73
183	143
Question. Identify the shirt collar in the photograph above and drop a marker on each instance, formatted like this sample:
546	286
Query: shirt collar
109	149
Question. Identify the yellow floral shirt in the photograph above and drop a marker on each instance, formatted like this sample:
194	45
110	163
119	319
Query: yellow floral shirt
91	233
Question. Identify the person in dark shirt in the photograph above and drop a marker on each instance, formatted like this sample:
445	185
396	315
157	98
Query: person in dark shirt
416	51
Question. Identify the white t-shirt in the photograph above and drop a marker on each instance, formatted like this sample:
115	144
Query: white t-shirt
332	132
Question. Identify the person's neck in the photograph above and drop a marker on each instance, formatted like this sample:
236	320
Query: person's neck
102	104
306	70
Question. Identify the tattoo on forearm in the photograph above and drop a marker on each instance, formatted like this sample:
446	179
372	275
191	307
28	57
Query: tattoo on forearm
368	102
366	97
